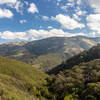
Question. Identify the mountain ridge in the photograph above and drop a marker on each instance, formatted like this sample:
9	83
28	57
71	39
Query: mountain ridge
35	52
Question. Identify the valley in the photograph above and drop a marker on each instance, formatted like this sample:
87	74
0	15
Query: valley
54	49
51	69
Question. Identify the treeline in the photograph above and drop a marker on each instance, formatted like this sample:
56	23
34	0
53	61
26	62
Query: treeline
81	82
85	56
78	78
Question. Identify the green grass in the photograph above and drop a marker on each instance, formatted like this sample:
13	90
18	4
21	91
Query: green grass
18	79
9	89
47	62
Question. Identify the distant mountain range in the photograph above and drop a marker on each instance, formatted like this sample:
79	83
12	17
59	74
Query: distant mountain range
47	53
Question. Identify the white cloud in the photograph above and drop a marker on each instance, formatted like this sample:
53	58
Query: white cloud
36	34
13	35
76	17
5	13
58	3
59	0
68	23
71	1
22	35
23	21
33	9
81	13
26	2
16	4
95	4
8	1
93	34
93	22
50	27
64	7
68	5
53	18
7	35
45	18
79	2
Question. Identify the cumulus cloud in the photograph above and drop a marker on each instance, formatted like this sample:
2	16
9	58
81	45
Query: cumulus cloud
70	3
50	27
36	34
93	22
76	17
95	4
33	9
23	21
81	13
16	4
79	2
64	7
75	6
45	18
58	2
67	22
8	1
40	34
5	13
44	33
13	35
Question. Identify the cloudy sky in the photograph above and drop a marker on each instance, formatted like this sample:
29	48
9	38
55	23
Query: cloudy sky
27	20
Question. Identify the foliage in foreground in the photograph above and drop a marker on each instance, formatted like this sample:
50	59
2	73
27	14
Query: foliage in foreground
19	81
81	82
78	78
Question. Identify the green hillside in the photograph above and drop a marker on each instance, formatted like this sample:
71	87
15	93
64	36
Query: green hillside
19	81
85	56
53	50
81	82
47	62
78	78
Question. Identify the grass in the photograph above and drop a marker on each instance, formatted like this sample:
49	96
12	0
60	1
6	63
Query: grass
17	79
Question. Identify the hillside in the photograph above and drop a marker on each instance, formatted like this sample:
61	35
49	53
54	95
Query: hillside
47	53
85	56
19	81
81	82
78	78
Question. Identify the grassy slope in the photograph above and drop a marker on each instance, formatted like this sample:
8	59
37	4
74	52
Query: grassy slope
17	78
47	62
86	56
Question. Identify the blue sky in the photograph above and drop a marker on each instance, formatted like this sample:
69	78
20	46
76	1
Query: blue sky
27	20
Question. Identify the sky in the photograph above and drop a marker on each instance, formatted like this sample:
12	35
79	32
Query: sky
28	20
